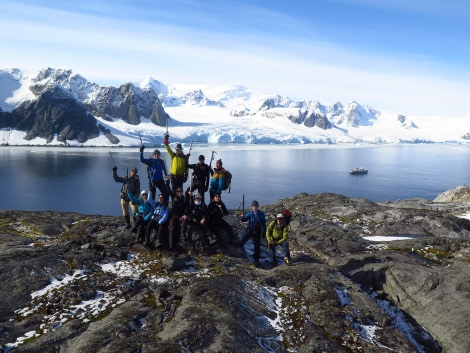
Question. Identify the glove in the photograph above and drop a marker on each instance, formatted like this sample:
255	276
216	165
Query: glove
114	168
166	139
142	148
271	241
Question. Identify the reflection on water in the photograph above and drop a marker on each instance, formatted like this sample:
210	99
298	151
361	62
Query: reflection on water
80	179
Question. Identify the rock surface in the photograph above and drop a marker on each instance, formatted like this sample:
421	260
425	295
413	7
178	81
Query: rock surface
80	283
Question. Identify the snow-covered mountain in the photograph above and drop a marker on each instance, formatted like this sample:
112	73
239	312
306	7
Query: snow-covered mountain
56	106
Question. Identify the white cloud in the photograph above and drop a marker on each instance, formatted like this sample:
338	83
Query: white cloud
301	55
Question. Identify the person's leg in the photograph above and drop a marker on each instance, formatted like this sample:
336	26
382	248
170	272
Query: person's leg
286	251
273	255
125	212
148	231
172	223
158	237
162	187
245	238
142	230
134	209
184	231
210	234
257	246
137	221
153	188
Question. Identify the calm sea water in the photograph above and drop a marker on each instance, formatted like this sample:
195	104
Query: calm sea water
80	179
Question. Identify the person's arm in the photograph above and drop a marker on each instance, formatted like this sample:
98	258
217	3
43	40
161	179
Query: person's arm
133	198
221	183
263	223
207	179
151	200
142	159
224	209
269	233
117	178
284	235
149	211
245	217
170	152
165	216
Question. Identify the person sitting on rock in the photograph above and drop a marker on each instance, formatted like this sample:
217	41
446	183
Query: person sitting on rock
143	215
216	211
276	234
158	222
129	183
196	223
255	230
177	216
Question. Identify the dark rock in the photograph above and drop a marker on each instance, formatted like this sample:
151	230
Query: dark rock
81	281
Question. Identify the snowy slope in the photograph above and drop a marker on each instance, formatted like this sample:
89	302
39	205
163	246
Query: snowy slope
232	114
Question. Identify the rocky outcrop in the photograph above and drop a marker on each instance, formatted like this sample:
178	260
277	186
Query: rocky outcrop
54	113
128	103
460	194
71	283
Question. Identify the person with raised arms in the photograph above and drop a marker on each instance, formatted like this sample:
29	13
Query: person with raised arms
179	168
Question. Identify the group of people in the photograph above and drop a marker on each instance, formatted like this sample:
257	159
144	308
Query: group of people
190	219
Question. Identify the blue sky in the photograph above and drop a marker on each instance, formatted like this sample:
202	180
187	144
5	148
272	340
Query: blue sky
406	56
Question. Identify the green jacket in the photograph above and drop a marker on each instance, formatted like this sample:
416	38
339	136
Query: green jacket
278	233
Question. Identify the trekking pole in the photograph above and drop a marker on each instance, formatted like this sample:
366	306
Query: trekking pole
127	179
243	204
114	164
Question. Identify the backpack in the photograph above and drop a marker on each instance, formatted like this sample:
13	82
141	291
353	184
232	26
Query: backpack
287	216
227	181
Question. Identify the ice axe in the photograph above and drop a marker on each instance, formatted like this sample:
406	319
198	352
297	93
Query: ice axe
212	158
114	164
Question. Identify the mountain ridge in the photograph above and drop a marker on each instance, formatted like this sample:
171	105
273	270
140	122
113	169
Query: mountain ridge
206	114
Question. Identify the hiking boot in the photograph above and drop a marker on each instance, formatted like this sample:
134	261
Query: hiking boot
128	221
212	238
273	264
134	230
288	261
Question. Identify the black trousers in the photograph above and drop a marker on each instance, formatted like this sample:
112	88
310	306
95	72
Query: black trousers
256	235
160	184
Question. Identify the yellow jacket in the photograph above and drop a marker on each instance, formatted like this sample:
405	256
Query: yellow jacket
178	163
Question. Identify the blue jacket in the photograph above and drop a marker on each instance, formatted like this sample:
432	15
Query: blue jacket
161	212
258	218
157	167
145	208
